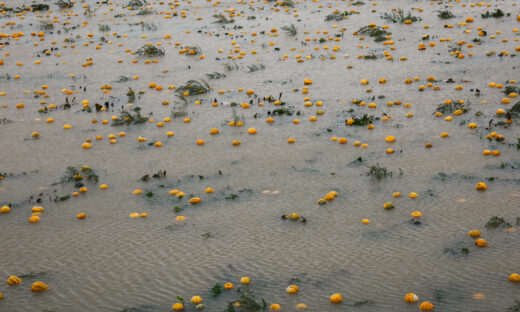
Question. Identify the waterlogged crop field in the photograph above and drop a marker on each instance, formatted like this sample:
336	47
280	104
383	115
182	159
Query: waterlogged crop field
259	155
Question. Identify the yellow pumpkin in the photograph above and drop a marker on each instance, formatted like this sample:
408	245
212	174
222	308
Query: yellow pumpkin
390	139
39	287
292	289
14	280
275	307
1	296
426	306
245	280
481	242
411	298
301	306
5	209
178	306
481	186
196	299
322	201
228	286
81	216
336	298
416	214
294	216
474	233
515	278
34	219
388	205
195	200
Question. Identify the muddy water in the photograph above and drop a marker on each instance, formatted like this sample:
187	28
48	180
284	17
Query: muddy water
110	262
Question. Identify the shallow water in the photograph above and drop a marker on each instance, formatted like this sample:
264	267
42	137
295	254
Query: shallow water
110	262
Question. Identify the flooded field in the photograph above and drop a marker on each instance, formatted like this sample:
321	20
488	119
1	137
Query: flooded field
361	151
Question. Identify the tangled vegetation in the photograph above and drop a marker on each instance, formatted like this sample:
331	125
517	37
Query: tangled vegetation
127	118
150	51
376	32
193	87
445	14
399	17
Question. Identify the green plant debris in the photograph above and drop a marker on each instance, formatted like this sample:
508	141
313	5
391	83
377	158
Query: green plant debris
453	106
445	14
291	30
337	16
65	4
150	51
376	32
127	118
76	174
496	14
215	75
399	17
221	19
255	67
193	87
378	172
363	121
496	222
217	289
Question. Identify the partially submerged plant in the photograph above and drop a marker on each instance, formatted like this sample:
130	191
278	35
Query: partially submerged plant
400	17
453	106
495	222
337	16
215	75
290	30
75	174
445	14
376	32
127	118
496	14
39	7
193	87
103	28
150	51
135	3
255	67
378	172
65	4
221	19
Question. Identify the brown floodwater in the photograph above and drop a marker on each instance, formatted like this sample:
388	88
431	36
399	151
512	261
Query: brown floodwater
111	262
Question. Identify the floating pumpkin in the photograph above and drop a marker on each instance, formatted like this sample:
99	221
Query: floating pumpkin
292	289
275	307
195	200
301	306
294	216
388	206
336	298
14	280
228	286
178	307
515	278
365	221
34	219
5	209
426	306
481	186
39	287
481	242
196	299
411	298
474	233
245	280
81	216
416	214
